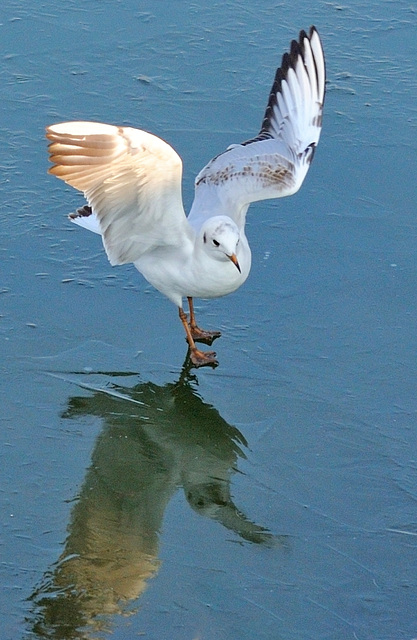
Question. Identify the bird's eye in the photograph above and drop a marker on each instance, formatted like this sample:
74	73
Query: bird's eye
216	244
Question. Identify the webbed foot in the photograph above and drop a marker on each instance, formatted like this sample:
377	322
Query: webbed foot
201	335
203	358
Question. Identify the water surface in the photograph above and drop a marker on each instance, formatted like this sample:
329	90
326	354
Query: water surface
274	497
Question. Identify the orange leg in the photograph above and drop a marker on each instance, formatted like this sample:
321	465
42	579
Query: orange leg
198	358
200	334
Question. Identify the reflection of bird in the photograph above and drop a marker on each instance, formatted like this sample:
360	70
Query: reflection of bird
132	181
155	440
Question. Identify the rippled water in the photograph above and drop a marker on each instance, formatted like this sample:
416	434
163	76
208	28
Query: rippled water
274	497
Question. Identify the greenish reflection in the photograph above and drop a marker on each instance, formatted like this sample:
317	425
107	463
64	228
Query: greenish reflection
155	440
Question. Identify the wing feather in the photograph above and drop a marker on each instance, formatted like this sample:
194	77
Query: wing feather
130	178
274	163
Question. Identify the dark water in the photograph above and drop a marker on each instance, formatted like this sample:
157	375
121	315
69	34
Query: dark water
272	498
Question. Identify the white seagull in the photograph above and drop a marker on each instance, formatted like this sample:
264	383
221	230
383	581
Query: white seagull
132	182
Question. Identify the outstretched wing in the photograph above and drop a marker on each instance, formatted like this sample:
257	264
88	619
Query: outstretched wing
275	163
131	179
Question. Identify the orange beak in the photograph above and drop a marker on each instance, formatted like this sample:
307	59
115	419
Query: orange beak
233	259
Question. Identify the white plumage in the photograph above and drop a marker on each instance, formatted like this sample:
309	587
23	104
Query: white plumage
132	182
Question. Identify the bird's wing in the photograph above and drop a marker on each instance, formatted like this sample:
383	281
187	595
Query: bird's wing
131	179
275	163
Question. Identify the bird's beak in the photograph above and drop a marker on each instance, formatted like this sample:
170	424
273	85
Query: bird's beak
233	259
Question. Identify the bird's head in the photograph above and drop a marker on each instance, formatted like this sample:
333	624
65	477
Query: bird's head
220	239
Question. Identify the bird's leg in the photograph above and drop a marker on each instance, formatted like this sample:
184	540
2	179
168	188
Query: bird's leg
200	335
198	358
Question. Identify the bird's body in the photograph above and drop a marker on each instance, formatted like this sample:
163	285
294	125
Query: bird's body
132	181
192	273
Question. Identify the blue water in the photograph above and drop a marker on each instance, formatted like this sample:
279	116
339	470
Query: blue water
276	496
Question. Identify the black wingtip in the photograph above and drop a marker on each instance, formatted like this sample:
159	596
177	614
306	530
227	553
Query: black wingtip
82	212
289	60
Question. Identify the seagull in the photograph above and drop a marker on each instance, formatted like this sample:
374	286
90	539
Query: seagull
131	180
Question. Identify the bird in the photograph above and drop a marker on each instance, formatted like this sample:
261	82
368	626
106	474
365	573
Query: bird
131	180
